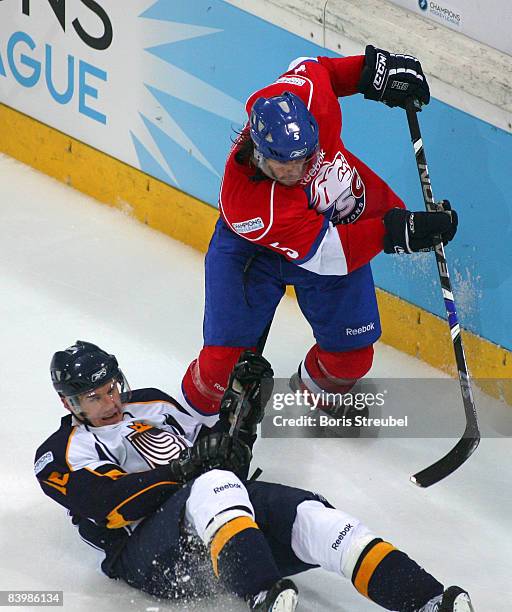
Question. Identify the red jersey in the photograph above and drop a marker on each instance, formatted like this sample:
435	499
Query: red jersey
331	221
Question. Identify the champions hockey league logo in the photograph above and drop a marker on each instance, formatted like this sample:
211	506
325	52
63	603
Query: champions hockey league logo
338	191
155	445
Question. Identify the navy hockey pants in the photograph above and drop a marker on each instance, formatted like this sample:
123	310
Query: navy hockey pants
161	559
342	310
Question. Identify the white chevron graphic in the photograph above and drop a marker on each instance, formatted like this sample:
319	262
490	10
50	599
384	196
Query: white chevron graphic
142	34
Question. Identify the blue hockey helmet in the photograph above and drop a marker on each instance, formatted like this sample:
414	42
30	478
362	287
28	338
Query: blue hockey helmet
84	367
282	128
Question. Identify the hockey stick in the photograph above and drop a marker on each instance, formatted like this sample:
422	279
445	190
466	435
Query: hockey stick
242	407
470	439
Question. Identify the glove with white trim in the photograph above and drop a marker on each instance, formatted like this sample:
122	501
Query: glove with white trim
410	232
392	78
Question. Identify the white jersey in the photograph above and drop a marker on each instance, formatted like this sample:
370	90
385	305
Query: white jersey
150	434
112	477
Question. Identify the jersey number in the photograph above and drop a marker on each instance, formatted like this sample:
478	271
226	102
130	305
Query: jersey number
290	252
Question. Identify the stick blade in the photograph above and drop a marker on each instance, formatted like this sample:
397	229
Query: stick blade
460	453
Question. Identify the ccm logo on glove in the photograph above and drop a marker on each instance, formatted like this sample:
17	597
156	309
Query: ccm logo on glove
380	71
392	78
410	232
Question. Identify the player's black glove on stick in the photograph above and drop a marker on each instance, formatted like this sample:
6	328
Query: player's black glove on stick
214	451
254	374
410	232
392	78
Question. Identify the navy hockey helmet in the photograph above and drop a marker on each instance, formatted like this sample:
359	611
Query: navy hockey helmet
282	128
83	367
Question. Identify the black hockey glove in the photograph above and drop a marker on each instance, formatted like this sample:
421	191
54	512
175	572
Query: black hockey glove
185	467
410	232
214	451
254	375
392	78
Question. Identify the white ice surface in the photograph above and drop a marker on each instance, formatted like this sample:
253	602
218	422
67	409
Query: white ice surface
72	269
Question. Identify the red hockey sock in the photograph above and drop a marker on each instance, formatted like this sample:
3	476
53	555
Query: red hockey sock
206	378
335	372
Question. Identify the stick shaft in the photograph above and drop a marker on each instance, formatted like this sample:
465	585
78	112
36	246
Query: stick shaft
239	411
471	431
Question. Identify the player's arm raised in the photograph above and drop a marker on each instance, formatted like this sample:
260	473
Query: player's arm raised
379	75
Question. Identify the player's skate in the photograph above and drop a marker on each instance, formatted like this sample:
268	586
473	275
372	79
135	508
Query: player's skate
282	597
454	599
342	408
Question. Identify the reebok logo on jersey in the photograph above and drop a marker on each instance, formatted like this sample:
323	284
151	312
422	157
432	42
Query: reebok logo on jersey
315	168
251	225
360	330
42	462
291	80
341	536
229	485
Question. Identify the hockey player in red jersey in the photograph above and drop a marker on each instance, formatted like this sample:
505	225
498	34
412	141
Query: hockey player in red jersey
297	208
167	502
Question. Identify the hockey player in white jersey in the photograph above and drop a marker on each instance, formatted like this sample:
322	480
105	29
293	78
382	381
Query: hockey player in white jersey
167	501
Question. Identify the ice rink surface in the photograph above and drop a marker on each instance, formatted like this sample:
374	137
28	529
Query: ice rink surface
72	269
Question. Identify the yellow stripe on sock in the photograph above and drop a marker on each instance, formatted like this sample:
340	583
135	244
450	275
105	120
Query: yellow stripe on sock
370	564
225	533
